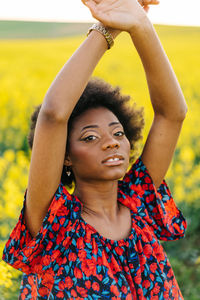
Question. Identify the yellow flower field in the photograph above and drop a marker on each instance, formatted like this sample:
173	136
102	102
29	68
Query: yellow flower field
27	69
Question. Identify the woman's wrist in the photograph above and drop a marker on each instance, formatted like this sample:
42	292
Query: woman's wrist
114	32
143	24
107	33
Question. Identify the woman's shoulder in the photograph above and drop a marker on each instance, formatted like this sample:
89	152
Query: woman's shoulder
64	201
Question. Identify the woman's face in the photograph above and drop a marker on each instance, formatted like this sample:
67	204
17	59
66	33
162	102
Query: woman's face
98	147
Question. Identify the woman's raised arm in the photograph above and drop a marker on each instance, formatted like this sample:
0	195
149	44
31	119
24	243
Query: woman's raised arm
167	100
50	136
166	95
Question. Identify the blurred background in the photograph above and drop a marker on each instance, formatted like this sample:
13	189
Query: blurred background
36	39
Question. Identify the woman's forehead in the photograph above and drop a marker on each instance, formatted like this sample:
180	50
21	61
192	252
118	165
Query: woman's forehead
96	116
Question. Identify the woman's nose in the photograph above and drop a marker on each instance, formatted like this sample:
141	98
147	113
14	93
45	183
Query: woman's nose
111	143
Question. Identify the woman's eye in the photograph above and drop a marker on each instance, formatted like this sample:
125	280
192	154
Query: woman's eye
89	138
119	133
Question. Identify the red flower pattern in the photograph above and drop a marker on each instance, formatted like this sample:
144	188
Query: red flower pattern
69	259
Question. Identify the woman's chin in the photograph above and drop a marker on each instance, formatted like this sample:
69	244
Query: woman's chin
115	175
105	175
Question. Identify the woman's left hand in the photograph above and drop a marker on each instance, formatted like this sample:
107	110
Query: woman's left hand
120	14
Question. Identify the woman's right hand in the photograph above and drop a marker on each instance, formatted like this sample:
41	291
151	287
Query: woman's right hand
123	15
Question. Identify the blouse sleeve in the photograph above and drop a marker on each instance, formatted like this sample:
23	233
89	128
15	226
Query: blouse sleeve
31	255
155	205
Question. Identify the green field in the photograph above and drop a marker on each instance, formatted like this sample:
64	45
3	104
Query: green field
31	55
32	30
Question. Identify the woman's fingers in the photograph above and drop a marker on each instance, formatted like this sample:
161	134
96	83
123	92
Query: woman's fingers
97	1
145	4
148	2
142	2
89	2
92	5
146	8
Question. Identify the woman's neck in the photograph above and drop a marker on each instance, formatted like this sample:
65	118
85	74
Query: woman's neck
99	199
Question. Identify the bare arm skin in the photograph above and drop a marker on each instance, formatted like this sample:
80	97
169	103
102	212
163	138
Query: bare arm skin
166	96
167	100
51	130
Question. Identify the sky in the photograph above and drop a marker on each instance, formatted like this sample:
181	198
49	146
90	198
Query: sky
176	12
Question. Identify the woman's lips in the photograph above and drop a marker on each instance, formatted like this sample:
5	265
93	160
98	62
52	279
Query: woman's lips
113	160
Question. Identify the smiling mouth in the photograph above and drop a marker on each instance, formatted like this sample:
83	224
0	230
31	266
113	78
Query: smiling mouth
113	160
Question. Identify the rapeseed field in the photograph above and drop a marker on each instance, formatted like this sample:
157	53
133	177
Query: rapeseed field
27	68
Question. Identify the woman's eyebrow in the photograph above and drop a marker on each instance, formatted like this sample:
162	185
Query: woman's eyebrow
89	126
96	126
114	123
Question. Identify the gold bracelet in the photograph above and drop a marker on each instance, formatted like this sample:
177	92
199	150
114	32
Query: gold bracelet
104	32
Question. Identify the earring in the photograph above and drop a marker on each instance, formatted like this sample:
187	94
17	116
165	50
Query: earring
68	172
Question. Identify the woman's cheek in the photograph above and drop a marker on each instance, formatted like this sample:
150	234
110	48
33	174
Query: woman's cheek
80	155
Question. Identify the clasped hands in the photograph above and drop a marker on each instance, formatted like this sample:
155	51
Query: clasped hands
123	15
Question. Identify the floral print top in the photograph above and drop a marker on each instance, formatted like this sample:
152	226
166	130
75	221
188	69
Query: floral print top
69	259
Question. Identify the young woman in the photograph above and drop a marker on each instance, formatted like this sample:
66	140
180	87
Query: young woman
102	241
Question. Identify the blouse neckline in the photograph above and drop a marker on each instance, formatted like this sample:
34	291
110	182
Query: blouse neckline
111	241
